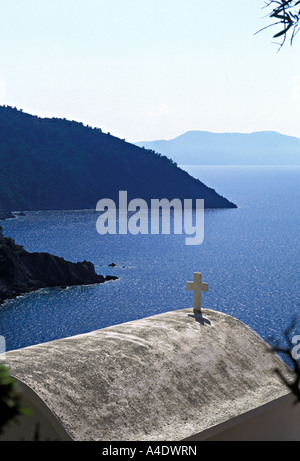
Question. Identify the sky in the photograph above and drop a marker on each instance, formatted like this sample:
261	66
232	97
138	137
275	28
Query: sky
149	69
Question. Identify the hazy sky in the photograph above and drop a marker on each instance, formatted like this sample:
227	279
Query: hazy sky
149	69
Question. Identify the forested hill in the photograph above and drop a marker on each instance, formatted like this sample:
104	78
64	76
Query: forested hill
58	164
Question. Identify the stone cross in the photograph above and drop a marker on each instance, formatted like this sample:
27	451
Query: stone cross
197	287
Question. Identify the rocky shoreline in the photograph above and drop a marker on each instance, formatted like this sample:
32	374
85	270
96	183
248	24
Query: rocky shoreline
22	272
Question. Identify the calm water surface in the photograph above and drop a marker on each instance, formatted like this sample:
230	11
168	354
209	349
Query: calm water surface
249	257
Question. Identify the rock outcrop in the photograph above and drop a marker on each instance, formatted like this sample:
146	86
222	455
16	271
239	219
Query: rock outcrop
22	271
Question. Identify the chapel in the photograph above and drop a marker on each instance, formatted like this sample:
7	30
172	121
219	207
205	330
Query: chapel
179	376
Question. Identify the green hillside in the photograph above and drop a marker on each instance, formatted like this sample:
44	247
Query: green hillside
58	164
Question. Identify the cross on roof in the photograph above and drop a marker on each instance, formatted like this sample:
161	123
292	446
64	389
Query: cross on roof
197	287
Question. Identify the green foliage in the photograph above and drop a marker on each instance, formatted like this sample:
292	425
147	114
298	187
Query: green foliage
11	406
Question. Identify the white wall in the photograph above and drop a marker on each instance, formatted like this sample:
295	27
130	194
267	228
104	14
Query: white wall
278	420
41	418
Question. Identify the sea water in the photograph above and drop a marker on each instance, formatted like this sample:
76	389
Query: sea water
249	258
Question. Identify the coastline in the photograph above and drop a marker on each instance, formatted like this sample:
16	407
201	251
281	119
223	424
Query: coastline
22	272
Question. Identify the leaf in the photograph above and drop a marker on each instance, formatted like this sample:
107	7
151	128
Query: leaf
282	32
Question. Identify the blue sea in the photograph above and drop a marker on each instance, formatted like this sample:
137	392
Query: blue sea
250	257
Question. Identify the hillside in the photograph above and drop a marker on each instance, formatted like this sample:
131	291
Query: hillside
205	148
58	164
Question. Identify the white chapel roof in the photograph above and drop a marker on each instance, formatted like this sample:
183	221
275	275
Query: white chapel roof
165	377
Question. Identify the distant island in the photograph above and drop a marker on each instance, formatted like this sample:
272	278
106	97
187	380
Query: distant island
206	148
56	164
22	272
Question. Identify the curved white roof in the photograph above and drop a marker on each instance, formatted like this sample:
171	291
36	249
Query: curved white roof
165	377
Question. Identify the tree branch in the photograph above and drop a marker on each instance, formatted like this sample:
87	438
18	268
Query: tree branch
288	14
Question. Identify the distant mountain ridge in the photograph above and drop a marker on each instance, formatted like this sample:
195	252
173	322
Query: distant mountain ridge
206	148
56	164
